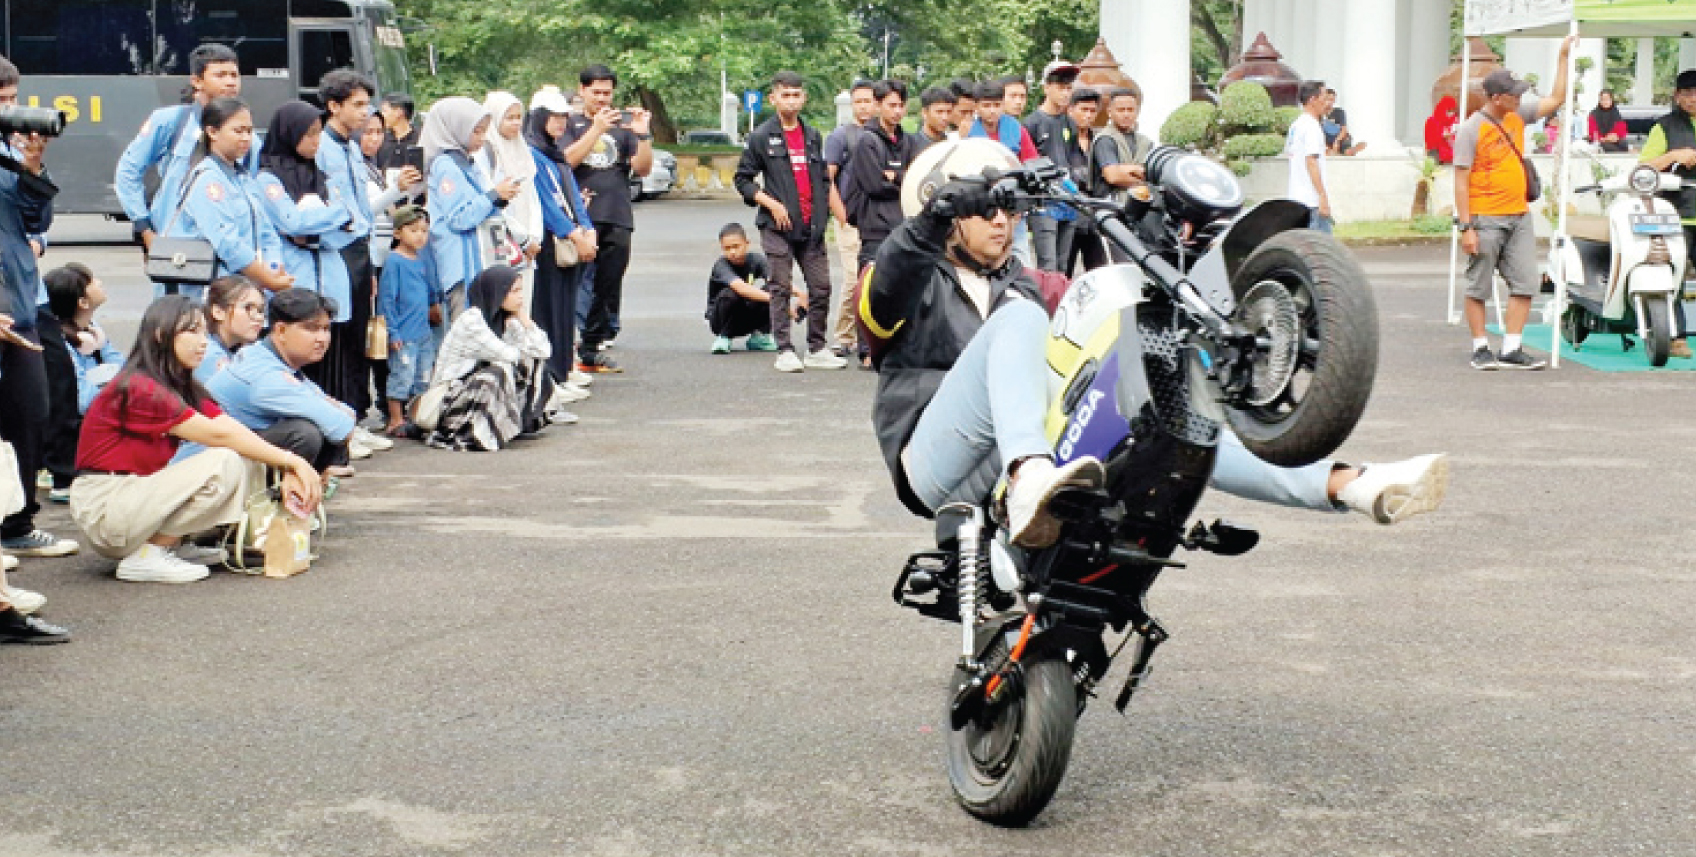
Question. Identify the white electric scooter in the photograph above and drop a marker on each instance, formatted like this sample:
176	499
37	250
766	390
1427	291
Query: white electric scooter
1625	271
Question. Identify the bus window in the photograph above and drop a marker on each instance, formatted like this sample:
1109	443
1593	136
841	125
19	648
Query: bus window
81	36
322	51
257	31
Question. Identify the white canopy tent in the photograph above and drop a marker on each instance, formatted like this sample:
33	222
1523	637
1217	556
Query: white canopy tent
1554	19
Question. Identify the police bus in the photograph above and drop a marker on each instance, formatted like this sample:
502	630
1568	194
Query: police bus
109	63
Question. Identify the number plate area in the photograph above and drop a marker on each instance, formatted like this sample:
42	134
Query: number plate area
1656	224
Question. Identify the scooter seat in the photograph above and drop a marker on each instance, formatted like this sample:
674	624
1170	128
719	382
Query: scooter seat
1588	227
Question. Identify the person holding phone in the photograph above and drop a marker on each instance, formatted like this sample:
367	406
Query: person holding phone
604	150
459	198
505	155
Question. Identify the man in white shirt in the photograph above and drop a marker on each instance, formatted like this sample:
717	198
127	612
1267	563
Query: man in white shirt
1305	146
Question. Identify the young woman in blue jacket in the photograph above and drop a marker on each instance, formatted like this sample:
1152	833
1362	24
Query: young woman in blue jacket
459	200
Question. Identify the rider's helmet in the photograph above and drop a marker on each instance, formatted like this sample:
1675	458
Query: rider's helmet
946	161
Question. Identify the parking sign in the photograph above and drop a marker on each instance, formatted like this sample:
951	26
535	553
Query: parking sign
751	100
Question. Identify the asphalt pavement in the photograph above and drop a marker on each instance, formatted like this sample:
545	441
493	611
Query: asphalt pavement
667	631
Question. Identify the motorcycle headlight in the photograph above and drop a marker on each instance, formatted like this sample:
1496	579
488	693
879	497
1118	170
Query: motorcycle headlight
1644	179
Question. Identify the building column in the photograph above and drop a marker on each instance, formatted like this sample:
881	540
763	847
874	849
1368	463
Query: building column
1257	18
1282	33
1426	59
1300	40
1591	82
1686	54
1643	81
1326	62
1152	37
1369	73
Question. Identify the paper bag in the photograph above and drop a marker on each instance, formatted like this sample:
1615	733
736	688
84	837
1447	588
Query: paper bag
288	545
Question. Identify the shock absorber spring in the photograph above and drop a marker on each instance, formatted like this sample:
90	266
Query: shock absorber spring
974	568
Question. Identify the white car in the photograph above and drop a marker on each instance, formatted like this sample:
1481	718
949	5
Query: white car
658	181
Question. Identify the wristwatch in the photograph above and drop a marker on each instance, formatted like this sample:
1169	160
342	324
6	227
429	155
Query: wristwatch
1463	225
644	136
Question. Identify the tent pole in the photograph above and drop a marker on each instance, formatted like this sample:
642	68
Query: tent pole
1558	242
1465	95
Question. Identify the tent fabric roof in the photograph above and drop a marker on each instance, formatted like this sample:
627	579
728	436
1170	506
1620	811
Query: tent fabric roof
1596	18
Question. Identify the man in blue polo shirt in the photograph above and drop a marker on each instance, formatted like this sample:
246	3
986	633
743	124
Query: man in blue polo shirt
263	387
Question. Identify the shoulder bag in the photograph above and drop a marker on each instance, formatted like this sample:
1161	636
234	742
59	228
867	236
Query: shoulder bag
185	261
1533	185
566	252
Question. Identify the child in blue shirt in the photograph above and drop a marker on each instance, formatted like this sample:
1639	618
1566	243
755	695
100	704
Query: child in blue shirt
409	299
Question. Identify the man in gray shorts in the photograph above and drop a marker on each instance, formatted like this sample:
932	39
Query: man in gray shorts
1492	211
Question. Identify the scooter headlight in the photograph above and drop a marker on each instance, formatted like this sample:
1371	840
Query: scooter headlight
1644	179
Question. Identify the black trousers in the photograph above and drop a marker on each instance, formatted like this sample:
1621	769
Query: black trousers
303	438
1088	246
612	258
23	423
64	419
553	306
345	373
732	315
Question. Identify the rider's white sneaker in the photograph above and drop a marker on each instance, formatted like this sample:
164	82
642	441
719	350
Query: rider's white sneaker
1035	483
1388	493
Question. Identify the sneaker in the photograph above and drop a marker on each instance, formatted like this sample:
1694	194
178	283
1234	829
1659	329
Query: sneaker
569	393
39	543
201	555
605	345
154	564
761	342
721	345
580	379
823	359
43	480
1484	359
374	441
1034	484
1518	359
59	495
340	471
788	362
597	364
8	562
1388	493
25	601
564	418
356	448
1680	348
30	631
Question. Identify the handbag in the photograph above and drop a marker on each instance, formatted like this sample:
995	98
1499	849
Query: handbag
565	253
1533	185
184	261
377	338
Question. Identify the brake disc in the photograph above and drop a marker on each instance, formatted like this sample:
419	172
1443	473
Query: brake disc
1271	312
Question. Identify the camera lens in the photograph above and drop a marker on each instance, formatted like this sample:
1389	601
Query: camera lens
45	121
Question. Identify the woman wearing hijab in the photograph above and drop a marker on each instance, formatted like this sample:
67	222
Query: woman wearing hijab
565	216
1607	127
459	199
494	361
1440	130
506	156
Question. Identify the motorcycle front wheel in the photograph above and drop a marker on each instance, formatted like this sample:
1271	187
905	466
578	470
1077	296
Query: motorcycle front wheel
1659	321
1316	323
1006	769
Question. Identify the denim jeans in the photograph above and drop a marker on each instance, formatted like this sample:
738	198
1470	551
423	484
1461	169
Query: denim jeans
1318	222
990	410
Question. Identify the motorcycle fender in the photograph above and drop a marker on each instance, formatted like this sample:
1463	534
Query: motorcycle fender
1252	229
1651	280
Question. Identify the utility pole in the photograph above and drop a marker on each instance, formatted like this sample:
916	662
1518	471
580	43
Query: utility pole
886	53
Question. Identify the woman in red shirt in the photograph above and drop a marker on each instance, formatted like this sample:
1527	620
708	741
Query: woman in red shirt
129	499
1440	130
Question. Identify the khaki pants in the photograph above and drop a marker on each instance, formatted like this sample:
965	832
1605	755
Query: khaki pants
848	245
119	514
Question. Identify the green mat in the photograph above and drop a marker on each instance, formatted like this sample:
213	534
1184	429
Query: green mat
1601	352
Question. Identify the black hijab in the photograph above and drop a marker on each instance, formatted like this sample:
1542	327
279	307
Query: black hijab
489	291
1606	117
278	156
536	134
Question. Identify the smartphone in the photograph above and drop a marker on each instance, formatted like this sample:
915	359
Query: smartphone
625	117
415	157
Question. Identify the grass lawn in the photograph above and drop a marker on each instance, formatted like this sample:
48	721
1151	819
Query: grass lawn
1391	231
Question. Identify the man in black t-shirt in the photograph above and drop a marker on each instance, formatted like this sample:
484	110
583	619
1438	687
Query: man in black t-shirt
604	153
399	134
738	303
1055	136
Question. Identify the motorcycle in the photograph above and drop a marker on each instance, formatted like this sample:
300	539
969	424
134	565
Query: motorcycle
1216	319
1624	272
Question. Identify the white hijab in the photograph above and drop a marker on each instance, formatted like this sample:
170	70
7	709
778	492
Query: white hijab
448	127
511	158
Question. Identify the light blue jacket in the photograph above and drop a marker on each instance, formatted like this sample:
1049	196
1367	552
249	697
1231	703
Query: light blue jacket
225	206
217	357
153	146
321	268
258	390
344	163
23	213
458	204
107	355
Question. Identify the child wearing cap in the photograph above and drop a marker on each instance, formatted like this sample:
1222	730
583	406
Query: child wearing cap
410	303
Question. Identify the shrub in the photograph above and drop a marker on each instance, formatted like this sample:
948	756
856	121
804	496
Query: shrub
1283	118
1246	105
1190	126
1254	146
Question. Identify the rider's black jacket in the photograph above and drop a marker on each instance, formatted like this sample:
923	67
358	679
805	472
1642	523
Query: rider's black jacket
920	320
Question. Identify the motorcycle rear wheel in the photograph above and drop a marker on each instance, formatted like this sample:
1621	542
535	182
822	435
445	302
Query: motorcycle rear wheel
1337	357
1659	341
1006	771
1575	326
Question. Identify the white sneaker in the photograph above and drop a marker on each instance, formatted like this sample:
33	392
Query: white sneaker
373	441
825	360
564	418
1035	483
25	601
788	362
1388	493
201	555
580	379
8	562
154	564
568	393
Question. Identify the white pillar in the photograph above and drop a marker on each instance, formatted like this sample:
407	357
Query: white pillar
1592	81
1282	32
1298	46
1643	81
1686	54
1326	63
1369	73
1427	57
1152	39
1257	19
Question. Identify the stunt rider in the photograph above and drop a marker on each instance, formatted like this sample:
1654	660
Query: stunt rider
959	336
